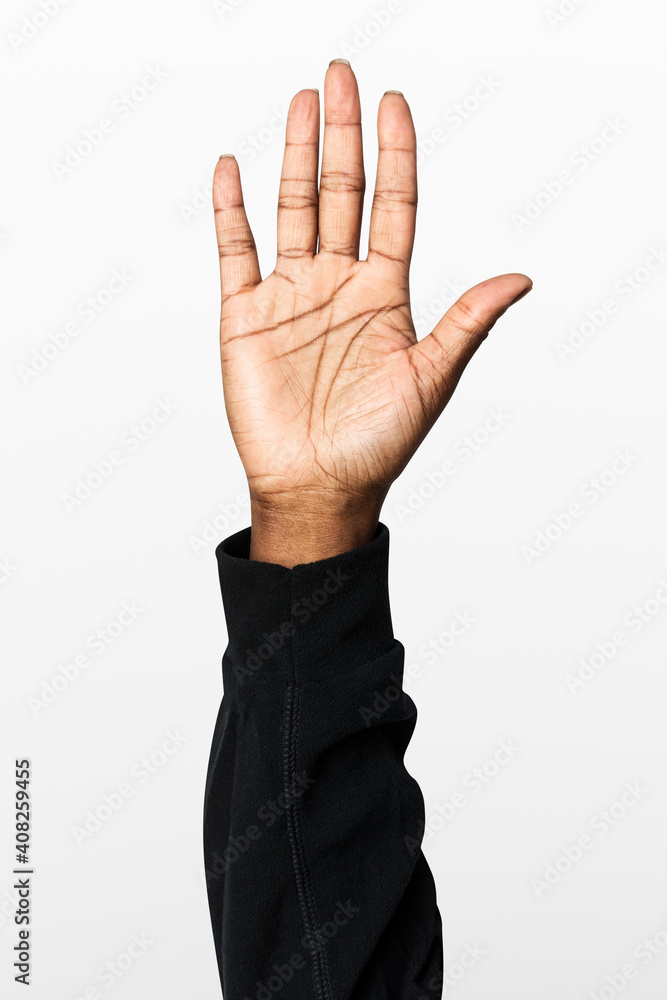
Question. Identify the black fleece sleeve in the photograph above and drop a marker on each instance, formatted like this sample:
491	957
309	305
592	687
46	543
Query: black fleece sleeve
317	886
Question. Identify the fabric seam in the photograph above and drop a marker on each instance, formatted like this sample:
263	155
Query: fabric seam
309	917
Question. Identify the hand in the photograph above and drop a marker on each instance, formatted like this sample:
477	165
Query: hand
327	390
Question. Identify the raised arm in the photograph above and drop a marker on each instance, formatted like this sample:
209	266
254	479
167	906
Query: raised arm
314	890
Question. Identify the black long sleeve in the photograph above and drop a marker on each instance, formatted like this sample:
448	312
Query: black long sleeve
317	885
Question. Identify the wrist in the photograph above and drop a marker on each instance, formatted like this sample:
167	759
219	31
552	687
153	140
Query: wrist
310	526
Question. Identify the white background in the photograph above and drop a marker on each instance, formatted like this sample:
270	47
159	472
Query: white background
139	204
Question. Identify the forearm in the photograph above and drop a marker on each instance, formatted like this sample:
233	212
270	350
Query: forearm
312	823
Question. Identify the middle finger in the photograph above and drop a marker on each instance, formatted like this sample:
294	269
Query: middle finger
342	180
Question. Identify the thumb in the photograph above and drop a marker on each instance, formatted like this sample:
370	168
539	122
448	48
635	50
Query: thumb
443	355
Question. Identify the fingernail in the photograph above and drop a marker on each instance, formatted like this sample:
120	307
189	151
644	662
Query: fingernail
226	154
340	61
316	89
393	92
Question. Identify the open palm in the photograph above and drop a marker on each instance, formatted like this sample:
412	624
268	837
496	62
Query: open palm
327	389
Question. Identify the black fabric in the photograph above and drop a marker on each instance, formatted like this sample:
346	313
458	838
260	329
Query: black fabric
316	882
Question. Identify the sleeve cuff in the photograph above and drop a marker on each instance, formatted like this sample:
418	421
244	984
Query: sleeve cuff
311	622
